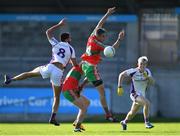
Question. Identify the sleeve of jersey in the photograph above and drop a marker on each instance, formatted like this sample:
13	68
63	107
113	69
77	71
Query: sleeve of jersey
101	45
130	71
149	72
73	53
53	41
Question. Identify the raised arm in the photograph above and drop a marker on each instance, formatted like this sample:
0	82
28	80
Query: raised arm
73	57
49	32
120	37
104	18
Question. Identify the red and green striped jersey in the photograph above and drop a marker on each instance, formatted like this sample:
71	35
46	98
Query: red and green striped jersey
93	50
72	79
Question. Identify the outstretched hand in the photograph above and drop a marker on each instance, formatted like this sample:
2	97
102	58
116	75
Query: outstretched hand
121	35
120	91
111	10
62	22
145	74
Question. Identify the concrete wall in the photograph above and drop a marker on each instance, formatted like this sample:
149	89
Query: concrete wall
132	43
168	93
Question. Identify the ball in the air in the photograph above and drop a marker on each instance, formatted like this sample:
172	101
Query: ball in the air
109	51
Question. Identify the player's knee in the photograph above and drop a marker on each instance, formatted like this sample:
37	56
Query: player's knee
147	104
84	108
97	83
102	96
130	113
31	74
87	103
27	73
56	98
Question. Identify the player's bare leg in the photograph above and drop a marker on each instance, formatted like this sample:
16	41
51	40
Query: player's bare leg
56	99
146	105
86	104
22	76
134	109
82	103
146	110
100	88
101	91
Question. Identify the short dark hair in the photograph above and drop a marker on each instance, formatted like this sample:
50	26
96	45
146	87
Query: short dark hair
65	36
100	31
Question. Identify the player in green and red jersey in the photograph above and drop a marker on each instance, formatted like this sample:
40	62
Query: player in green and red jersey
92	58
71	91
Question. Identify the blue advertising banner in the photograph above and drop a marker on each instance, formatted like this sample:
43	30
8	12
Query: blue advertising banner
71	18
39	100
177	10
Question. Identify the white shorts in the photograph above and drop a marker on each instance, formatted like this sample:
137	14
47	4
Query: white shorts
51	71
133	96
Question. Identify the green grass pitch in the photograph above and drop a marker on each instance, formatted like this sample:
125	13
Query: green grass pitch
92	129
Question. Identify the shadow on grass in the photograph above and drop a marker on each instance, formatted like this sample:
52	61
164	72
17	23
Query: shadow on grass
137	118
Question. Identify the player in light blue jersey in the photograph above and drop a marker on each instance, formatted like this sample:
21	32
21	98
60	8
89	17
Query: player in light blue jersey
141	77
62	53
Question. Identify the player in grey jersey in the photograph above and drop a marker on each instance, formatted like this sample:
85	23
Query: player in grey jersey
141	77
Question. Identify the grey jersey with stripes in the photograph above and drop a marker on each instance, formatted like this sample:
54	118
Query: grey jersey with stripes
139	82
